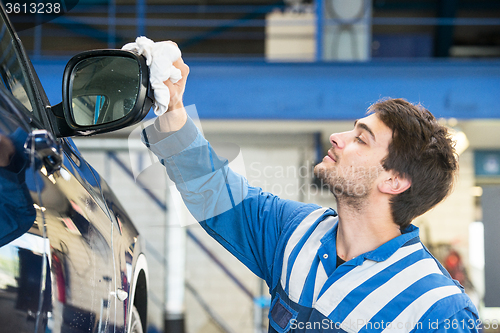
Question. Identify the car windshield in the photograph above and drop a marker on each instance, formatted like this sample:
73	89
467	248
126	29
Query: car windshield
11	71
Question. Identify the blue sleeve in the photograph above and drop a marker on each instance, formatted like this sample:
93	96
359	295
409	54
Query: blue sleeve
244	219
461	322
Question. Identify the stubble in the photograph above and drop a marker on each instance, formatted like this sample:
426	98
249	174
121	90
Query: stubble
350	185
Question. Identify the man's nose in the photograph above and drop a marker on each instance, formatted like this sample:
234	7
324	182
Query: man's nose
337	140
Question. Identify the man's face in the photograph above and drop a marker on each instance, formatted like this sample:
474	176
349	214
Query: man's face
352	168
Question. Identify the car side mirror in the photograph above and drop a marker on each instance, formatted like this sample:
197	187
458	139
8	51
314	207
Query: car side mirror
103	91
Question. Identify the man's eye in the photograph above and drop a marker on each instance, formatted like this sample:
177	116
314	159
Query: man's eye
359	140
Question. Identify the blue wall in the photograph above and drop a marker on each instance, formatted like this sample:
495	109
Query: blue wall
317	91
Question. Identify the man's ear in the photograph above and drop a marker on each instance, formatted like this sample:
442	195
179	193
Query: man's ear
394	184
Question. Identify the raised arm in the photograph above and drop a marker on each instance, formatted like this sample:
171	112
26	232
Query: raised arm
244	219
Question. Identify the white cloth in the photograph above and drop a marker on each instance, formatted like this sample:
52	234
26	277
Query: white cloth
159	57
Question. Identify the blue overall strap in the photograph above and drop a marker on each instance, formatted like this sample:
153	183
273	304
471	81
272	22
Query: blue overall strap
301	252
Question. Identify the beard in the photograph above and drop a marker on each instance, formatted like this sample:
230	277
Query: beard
349	185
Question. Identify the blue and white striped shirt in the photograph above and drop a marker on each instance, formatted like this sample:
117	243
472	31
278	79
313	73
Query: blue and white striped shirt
398	287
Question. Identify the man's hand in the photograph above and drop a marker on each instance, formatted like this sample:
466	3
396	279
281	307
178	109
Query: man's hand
177	89
176	116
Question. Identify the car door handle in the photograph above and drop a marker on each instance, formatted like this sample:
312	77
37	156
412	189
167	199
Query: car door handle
120	294
46	148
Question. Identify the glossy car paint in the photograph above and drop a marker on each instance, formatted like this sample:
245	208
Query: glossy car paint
76	269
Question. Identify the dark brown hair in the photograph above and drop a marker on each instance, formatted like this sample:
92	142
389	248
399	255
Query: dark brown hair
421	150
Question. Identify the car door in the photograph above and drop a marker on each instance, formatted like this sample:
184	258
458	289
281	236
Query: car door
62	271
23	255
81	238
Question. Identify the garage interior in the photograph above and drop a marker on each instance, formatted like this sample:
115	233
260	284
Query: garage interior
269	82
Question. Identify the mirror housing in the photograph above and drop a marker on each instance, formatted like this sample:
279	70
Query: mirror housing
103	91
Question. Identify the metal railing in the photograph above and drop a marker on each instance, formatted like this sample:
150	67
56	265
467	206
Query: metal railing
215	31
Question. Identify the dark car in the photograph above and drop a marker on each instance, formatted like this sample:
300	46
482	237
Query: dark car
71	259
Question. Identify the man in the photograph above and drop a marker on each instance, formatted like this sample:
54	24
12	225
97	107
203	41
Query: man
361	270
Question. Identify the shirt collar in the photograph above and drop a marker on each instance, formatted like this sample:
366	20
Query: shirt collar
387	249
381	253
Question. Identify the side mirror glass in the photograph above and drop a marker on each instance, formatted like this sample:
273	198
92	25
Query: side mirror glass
105	90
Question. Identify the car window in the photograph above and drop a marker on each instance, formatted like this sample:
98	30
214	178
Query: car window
12	75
